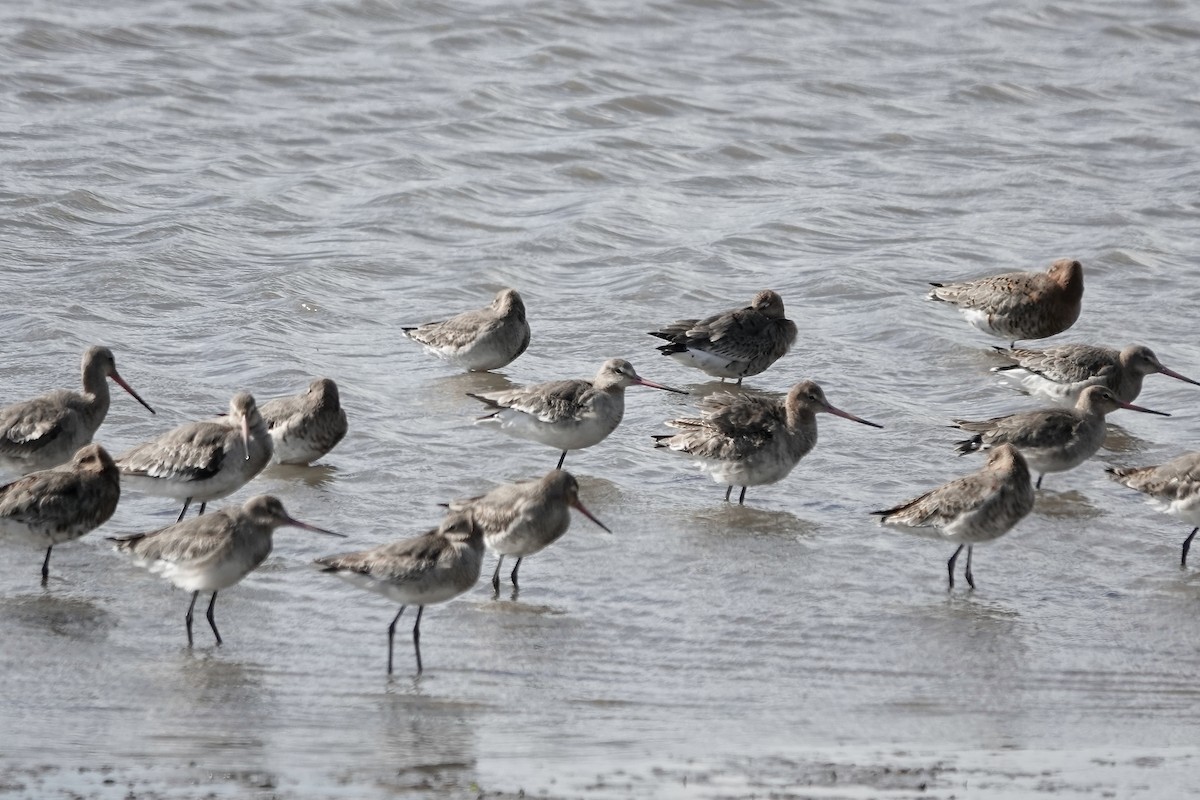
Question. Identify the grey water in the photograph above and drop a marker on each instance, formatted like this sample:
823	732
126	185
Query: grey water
243	194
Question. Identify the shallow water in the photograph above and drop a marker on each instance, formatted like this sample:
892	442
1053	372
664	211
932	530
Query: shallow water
246	194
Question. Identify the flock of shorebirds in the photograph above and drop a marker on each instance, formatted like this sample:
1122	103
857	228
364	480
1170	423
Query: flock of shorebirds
71	485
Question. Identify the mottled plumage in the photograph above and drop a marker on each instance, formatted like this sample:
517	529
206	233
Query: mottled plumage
47	431
305	427
566	415
431	568
61	504
1174	487
977	508
749	440
1051	439
479	340
202	461
1060	373
520	519
1019	305
732	344
212	552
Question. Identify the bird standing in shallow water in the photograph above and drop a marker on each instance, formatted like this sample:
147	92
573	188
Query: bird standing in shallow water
520	519
733	344
1019	305
1061	373
480	340
749	440
432	568
202	460
213	552
61	504
1051	439
977	508
1174	487
307	426
567	415
47	431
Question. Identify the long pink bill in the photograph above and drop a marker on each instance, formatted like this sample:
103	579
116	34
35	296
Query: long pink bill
295	523
121	382
846	415
653	385
1170	373
1132	407
578	506
246	437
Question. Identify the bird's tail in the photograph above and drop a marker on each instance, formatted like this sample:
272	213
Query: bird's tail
969	445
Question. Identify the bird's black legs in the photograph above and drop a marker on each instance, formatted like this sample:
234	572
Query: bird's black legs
1038	485
496	576
514	572
1187	544
212	623
417	637
970	578
728	491
950	564
188	618
186	503
202	507
742	497
46	562
392	636
561	459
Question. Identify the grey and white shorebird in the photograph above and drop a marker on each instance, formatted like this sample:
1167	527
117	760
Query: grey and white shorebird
1019	305
520	519
751	440
428	569
479	340
737	343
61	504
566	415
1174	487
201	461
47	431
971	510
1061	373
213	552
1051	439
304	427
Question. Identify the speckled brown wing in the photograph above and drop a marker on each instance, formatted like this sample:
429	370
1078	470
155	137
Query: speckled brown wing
1066	363
731	428
549	402
406	560
1173	480
192	452
31	425
1033	429
999	294
194	541
457	331
945	504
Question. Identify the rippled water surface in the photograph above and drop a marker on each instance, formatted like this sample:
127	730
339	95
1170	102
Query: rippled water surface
246	193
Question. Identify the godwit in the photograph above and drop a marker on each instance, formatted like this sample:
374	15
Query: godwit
213	552
1174	487
973	509
305	427
1060	373
1019	305
1051	439
432	568
58	505
733	344
202	461
479	340
48	430
520	519
567	415
748	440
